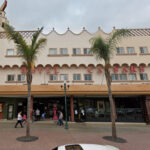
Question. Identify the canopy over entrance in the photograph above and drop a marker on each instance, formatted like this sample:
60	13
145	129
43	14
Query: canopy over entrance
47	90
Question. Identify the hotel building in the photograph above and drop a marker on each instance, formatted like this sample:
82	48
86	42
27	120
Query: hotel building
67	57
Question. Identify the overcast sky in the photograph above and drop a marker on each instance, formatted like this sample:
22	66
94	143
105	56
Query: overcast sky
76	14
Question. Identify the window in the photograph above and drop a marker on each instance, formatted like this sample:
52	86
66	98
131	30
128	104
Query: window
53	77
143	76
63	77
76	77
87	51
73	147
114	77
63	51
10	78
143	50
132	76
130	50
76	51
10	52
120	50
21	77
87	77
123	77
52	51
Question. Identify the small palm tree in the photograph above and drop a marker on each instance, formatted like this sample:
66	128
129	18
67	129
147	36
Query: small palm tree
103	49
29	54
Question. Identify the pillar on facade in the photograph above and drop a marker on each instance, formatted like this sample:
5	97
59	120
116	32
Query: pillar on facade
147	104
72	108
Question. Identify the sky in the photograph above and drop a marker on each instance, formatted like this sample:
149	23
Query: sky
76	14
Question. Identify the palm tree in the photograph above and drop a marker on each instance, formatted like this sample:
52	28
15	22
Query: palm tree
29	54
103	50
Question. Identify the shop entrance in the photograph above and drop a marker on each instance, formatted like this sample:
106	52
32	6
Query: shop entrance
46	105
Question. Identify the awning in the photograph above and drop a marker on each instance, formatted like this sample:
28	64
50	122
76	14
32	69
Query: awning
41	90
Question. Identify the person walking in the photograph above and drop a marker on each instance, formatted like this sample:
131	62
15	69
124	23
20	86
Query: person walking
82	114
19	120
37	112
24	118
60	119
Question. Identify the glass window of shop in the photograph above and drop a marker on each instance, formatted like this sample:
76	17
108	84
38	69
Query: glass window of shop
129	109
92	109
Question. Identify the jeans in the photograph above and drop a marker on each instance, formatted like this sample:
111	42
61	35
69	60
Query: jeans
60	122
19	122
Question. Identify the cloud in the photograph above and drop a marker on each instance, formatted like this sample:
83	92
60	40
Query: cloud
76	14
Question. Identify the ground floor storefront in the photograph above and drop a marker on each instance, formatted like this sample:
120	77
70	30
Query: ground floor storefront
84	102
79	108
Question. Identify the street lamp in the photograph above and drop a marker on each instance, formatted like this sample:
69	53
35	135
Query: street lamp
66	123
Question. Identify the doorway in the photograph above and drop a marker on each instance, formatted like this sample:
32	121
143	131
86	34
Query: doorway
10	111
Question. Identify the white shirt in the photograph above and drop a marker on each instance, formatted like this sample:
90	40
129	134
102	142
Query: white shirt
19	117
37	112
82	111
76	112
61	115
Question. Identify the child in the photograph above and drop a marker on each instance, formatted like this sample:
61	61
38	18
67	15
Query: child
43	116
24	118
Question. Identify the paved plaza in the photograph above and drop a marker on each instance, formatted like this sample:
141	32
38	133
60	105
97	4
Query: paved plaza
51	135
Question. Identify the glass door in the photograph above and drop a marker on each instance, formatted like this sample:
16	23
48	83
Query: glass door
10	110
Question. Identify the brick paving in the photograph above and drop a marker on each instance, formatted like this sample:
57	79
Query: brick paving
51	135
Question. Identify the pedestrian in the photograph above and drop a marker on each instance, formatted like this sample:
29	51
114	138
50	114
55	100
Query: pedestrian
43	116
37	113
60	119
82	114
33	116
76	114
24	118
19	120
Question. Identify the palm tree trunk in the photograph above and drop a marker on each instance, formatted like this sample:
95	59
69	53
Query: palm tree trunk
112	105
29	80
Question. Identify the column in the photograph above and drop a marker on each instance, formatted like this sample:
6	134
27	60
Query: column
72	108
147	104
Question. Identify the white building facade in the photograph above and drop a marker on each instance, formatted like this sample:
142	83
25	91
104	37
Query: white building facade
67	57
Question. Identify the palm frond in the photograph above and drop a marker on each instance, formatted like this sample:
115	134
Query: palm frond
100	48
35	37
16	37
40	43
27	52
116	37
